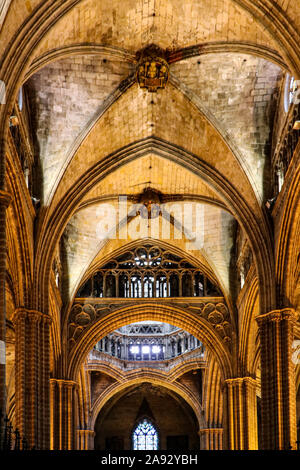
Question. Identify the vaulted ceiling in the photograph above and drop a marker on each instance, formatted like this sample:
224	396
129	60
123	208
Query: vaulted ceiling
208	134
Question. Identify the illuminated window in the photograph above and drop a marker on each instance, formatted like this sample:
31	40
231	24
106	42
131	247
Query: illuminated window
20	99
145	349
156	349
145	436
148	272
134	349
290	88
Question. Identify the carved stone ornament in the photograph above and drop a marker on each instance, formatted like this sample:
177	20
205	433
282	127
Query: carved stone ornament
84	315
152	71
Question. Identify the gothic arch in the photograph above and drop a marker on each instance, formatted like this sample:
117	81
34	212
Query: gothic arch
260	241
175	56
190	322
247	334
154	379
19	237
140	243
120	376
287	259
28	38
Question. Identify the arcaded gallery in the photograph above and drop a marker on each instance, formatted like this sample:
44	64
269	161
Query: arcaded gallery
150	225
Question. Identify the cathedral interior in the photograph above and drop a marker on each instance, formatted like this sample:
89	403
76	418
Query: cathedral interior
150	224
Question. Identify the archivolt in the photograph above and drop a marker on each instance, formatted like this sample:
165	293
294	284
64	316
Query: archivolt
190	322
155	379
182	368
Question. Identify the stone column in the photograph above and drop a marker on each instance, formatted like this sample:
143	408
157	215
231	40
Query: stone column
278	394
63	419
85	439
211	439
241	413
5	199
32	374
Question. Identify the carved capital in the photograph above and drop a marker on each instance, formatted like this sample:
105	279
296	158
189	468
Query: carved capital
210	431
86	432
277	316
63	383
238	381
33	316
19	316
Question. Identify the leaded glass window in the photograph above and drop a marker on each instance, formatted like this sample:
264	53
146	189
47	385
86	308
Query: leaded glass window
145	436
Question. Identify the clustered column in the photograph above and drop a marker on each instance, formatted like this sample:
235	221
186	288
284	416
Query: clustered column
278	401
85	439
63	422
240	396
4	203
32	374
211	439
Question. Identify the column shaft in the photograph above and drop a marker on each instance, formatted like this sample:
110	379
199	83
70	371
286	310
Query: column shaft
241	413
62	414
32	373
278	394
85	439
211	439
4	203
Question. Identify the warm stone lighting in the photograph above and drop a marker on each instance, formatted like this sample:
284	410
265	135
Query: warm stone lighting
296	126
152	71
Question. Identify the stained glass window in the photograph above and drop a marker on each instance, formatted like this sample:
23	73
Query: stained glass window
145	436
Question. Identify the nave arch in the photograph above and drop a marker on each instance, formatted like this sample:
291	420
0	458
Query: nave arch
188	321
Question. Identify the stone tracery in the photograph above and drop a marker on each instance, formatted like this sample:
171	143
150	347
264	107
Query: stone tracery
127	125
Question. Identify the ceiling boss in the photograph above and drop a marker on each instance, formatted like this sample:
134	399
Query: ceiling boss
152	71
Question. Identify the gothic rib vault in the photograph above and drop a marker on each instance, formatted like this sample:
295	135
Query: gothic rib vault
183	110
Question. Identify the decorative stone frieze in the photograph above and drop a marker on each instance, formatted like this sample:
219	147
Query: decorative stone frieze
84	315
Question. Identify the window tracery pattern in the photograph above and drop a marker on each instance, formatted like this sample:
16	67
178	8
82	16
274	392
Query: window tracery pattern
145	436
148	272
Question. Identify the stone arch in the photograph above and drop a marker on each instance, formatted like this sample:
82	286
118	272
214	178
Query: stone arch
139	243
27	39
287	260
190	322
175	56
18	239
247	354
258	235
155	379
